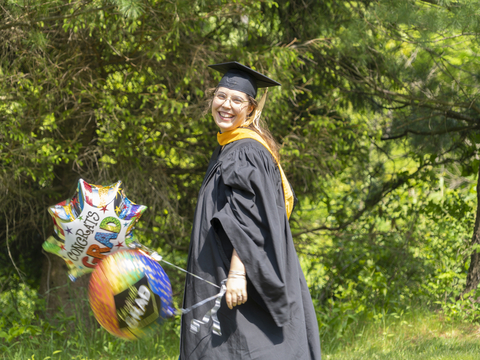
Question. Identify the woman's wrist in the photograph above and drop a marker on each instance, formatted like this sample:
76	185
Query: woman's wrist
237	277
235	272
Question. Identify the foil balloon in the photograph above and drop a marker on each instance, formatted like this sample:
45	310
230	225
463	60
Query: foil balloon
95	222
130	294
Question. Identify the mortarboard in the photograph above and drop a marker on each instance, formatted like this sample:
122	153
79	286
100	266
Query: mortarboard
241	78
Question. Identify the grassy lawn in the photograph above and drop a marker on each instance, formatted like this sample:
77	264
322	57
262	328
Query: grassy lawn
96	345
425	336
421	336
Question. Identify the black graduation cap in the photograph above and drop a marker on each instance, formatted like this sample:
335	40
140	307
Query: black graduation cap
241	78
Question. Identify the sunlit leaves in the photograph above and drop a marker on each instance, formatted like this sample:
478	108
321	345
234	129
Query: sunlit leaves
131	8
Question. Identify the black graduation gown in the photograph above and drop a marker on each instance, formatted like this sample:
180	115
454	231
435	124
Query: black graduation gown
241	206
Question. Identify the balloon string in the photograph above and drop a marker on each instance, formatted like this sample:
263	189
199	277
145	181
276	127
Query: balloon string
156	256
187	310
211	314
188	272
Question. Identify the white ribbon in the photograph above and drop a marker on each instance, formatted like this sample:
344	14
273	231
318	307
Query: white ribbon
212	313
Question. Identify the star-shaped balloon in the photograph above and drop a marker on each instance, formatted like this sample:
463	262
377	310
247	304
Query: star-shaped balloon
97	221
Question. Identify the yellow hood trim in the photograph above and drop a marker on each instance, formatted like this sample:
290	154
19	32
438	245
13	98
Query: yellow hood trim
242	133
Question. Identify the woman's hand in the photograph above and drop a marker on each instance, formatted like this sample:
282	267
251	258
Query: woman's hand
236	291
237	282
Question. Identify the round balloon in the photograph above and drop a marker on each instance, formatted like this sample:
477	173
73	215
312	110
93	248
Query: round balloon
95	222
130	294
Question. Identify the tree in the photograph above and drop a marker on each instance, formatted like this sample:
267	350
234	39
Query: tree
116	90
109	90
421	75
411	68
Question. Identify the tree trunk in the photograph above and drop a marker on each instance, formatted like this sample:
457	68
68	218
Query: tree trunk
473	277
63	297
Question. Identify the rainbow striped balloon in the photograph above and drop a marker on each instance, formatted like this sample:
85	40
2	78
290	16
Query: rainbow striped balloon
130	294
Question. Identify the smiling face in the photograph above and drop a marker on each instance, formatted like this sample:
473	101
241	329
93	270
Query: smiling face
230	108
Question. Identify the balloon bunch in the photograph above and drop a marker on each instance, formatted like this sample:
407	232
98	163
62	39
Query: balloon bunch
129	292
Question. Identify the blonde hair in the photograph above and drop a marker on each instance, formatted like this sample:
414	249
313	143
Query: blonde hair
259	126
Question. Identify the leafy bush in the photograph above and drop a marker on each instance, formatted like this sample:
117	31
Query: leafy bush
410	251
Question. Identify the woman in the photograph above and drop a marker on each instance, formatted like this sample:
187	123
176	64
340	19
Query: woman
241	233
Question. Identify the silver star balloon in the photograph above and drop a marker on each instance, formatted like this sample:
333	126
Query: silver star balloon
97	221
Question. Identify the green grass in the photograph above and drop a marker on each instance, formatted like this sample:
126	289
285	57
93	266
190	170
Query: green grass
416	335
70	339
73	335
99	346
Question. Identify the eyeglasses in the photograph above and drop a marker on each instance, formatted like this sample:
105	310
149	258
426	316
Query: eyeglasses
235	101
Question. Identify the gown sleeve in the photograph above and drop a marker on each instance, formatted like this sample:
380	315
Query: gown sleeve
254	221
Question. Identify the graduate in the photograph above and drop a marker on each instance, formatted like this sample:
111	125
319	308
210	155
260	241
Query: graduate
241	234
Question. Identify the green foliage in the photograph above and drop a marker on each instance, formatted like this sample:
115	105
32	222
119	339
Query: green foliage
115	90
376	114
19	307
410	251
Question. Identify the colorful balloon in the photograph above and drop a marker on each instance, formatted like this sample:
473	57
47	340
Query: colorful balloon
130	294
97	221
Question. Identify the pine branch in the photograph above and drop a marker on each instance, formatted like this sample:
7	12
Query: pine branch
409	100
437	4
52	18
430	133
387	188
